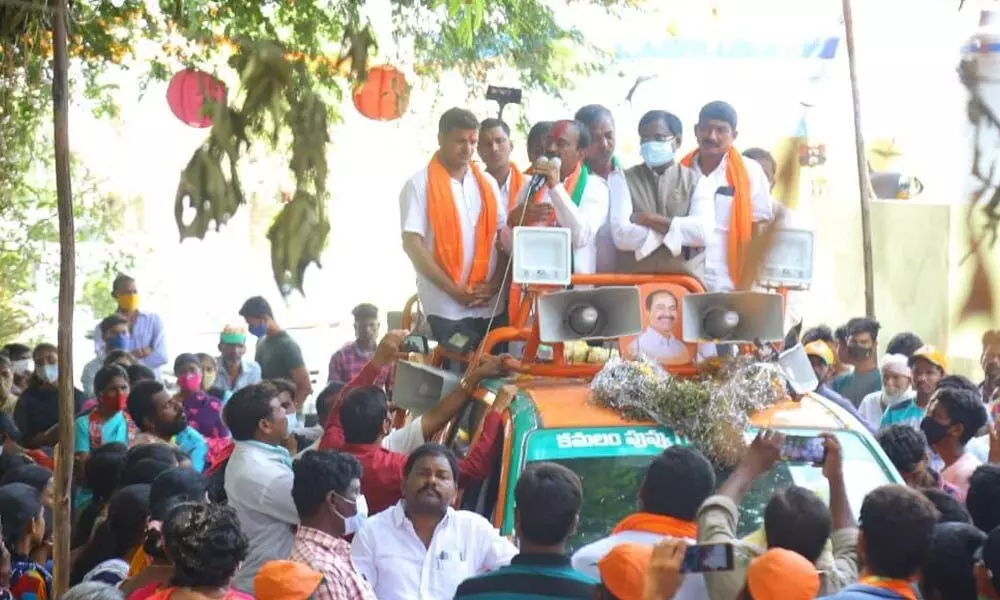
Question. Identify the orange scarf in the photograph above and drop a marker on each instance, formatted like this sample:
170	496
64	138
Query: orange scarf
516	183
740	216
443	217
900	587
658	524
140	560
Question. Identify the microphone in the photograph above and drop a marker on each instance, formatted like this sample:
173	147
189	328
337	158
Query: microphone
538	180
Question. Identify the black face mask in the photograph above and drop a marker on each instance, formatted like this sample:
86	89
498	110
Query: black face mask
933	430
858	352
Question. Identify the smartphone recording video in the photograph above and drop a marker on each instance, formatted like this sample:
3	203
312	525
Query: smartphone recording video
798	448
704	558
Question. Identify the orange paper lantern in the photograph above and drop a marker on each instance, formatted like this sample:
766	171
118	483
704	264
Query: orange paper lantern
384	96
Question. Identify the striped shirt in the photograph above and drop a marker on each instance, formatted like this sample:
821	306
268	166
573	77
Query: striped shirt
529	576
330	556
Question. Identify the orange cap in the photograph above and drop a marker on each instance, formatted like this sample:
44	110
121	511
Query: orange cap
286	580
781	574
932	355
623	570
820	349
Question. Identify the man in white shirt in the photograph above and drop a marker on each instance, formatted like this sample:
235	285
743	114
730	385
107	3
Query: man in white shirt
658	191
450	212
494	149
732	195
579	200
658	342
259	478
421	547
601	161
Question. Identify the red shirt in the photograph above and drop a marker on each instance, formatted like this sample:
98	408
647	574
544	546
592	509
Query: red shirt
382	470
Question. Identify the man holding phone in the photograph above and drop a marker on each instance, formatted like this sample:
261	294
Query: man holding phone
795	518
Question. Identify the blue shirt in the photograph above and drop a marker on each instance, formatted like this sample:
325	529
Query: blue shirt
249	375
860	591
114	429
843	403
193	443
904	412
147	332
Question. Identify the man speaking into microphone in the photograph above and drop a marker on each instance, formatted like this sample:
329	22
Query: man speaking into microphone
578	201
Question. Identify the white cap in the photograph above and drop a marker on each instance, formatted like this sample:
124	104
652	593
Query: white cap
896	364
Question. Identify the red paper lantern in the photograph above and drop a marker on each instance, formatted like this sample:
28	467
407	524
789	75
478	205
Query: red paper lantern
187	93
384	96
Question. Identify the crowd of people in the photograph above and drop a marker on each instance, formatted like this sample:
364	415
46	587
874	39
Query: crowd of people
220	490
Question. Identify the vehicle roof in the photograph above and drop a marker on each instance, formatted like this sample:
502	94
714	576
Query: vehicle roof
565	403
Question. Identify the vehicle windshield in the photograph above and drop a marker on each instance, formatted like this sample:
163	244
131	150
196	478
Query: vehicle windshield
612	473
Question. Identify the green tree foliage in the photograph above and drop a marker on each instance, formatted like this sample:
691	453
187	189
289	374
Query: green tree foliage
325	45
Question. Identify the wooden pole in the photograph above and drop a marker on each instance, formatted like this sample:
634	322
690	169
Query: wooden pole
864	182
67	271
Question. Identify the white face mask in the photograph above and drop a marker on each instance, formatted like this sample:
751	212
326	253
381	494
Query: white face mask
355	522
20	367
50	373
293	422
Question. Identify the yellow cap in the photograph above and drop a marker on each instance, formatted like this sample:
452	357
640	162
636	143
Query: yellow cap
932	355
820	349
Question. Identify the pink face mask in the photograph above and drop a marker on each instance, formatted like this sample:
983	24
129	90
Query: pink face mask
189	382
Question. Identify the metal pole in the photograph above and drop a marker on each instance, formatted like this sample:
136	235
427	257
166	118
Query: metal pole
863	178
67	270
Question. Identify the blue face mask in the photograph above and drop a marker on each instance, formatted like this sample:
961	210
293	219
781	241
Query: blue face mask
656	154
117	342
258	330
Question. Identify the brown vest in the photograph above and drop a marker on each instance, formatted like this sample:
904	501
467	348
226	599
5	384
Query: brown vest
668	195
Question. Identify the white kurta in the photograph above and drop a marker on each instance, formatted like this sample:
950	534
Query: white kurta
413	219
583	221
707	223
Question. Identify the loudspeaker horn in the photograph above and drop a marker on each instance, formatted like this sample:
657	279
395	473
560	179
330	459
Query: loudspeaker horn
419	387
735	317
589	314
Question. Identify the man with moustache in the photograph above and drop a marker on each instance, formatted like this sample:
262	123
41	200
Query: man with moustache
579	200
421	547
732	195
658	342
494	149
450	212
161	420
601	161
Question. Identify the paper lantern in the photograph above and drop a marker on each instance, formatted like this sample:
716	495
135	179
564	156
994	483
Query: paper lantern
187	93
384	96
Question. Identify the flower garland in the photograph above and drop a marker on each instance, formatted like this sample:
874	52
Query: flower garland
712	410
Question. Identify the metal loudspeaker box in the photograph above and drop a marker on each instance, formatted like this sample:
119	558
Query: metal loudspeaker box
589	314
736	317
542	256
789	264
419	387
